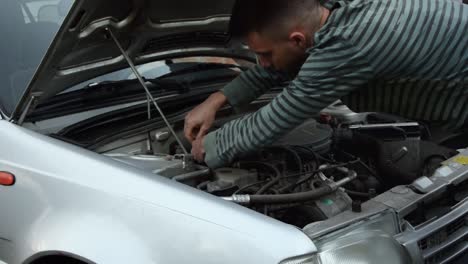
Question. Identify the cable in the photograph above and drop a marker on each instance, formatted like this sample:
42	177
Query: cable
268	185
248	186
309	151
364	165
293	197
291	151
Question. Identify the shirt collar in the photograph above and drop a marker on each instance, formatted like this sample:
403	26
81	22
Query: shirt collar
332	4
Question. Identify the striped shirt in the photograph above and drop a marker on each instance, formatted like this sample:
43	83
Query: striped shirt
404	57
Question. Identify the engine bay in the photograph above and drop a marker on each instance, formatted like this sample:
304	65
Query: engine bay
324	167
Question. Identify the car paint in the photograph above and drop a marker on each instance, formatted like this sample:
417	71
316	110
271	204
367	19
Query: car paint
67	199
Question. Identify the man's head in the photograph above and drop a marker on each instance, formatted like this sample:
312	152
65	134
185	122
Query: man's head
278	31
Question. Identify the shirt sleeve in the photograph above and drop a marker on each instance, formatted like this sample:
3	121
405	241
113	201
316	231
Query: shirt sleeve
252	84
328	74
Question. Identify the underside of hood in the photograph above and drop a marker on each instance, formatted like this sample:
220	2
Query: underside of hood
147	30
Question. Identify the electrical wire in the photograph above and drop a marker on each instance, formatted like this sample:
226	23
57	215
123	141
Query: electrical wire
268	186
364	165
291	151
275	180
249	186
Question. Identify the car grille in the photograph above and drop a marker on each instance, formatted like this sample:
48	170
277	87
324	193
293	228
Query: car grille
440	241
447	243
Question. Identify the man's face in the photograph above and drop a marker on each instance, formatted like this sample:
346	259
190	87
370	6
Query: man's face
284	54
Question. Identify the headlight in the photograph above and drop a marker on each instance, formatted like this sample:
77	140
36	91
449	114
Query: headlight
369	241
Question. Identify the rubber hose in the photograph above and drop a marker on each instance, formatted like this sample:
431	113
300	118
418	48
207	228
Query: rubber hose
268	186
291	198
192	175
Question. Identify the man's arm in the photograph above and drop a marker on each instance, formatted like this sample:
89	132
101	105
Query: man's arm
252	84
241	91
328	74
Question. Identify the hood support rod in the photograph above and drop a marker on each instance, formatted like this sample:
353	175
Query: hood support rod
148	93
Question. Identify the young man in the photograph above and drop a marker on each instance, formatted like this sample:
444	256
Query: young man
405	57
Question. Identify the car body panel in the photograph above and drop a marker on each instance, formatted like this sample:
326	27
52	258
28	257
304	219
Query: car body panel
69	199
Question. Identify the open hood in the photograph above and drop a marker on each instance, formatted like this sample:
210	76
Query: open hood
80	48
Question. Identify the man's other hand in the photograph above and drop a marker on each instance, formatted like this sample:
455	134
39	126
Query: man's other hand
198	150
199	121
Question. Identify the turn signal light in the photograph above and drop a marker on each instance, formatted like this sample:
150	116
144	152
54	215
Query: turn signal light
6	178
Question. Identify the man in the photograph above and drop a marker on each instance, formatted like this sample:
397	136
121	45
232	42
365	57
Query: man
405	57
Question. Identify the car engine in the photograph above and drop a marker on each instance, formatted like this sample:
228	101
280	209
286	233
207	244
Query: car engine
324	167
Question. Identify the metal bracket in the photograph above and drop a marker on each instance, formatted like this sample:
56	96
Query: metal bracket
148	93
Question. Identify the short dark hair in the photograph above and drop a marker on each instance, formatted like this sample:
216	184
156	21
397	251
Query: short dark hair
256	15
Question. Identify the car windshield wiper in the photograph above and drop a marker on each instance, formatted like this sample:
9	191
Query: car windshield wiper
163	83
111	90
167	82
108	93
156	85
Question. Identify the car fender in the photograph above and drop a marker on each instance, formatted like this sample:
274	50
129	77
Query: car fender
111	241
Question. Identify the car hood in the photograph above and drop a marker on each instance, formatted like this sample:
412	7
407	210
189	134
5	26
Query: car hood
148	30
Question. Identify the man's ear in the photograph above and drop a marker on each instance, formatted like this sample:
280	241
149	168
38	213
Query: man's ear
299	39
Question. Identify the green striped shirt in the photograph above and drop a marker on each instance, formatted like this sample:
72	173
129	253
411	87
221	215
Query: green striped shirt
405	57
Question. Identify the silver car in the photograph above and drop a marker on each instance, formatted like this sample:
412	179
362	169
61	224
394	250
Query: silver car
94	167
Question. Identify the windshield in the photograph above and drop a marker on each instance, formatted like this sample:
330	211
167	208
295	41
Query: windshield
157	69
27	27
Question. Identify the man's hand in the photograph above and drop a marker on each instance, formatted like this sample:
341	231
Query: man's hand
199	121
198	151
